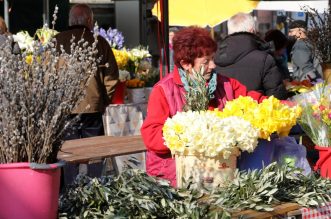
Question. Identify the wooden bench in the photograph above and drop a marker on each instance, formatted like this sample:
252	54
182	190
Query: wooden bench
94	149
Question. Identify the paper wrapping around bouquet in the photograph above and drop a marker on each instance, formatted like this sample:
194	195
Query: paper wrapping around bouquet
208	172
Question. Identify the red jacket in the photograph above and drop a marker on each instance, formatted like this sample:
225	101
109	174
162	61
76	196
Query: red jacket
160	106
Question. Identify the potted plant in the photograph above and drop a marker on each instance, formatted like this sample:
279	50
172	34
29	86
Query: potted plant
39	88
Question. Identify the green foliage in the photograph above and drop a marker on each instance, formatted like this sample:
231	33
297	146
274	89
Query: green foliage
262	189
132	194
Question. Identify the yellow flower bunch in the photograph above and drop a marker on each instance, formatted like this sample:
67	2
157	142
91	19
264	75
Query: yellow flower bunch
270	116
122	58
135	83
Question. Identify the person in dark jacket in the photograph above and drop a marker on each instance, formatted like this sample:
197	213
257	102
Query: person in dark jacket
244	56
278	42
100	88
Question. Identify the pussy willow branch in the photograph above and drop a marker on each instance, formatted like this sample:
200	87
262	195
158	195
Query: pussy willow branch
37	97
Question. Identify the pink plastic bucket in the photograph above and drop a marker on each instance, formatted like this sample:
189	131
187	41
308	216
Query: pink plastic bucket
29	190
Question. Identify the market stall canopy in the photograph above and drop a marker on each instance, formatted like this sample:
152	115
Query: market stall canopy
213	12
203	12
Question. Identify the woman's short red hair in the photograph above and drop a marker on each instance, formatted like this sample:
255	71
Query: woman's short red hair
191	43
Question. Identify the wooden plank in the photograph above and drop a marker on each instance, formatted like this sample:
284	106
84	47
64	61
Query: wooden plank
294	213
97	148
278	210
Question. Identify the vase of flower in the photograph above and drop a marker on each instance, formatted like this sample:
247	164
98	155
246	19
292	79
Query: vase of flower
207	172
206	147
29	190
136	91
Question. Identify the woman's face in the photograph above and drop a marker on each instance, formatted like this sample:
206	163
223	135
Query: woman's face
207	62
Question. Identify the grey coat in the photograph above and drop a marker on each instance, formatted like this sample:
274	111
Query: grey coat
305	62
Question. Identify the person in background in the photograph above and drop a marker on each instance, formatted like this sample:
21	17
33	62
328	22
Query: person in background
193	49
4	37
100	88
3	26
172	31
244	56
305	62
3	31
279	41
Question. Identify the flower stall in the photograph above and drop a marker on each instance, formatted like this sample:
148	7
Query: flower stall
133	194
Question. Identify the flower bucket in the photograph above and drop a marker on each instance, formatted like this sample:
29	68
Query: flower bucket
29	190
209	172
324	162
118	97
136	95
262	155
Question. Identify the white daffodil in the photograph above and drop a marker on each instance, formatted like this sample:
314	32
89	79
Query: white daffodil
204	133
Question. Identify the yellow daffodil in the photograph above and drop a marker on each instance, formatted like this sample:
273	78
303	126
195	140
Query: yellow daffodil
271	116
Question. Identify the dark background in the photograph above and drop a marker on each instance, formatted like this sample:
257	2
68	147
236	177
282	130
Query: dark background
28	15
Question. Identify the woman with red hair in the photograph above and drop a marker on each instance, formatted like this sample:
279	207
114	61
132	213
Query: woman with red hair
193	49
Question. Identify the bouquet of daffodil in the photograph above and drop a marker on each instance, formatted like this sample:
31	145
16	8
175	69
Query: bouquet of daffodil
270	116
122	58
204	133
316	114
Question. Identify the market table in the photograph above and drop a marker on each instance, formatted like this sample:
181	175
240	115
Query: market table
89	150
